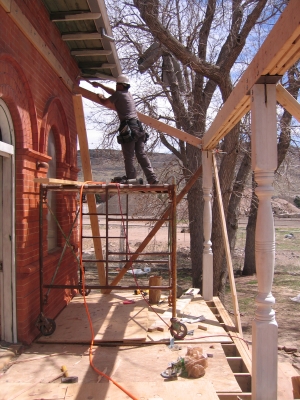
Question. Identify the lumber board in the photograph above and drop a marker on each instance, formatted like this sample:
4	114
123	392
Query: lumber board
296	386
112	320
145	119
49	181
227	250
6	4
288	101
241	346
281	47
87	174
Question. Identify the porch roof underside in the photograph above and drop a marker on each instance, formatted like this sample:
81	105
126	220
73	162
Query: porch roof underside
85	28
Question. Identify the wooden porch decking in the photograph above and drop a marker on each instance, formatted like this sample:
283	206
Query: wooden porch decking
132	356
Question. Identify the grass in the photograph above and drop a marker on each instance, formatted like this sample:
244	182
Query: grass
286	244
290	281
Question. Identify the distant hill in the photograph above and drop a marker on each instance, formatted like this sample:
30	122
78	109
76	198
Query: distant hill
107	164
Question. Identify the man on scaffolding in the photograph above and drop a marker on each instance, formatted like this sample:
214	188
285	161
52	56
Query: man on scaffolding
132	136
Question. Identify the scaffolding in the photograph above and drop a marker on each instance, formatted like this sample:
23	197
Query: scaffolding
115	263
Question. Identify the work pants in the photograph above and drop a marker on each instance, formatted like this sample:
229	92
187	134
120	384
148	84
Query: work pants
137	149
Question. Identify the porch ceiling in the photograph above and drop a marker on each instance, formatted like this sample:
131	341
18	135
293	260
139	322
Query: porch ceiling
85	28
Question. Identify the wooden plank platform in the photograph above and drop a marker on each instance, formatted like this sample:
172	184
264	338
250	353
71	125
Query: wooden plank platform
137	368
112	320
116	322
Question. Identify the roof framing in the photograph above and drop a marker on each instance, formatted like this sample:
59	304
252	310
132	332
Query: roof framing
85	28
278	53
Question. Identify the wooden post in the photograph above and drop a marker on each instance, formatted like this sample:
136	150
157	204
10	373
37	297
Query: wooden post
235	303
154	294
207	284
87	174
264	163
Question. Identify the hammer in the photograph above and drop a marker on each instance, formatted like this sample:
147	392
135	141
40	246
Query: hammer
62	374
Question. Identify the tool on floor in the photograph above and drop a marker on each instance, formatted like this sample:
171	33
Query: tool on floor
125	180
63	373
69	379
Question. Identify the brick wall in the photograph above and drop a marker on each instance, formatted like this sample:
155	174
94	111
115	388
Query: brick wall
38	101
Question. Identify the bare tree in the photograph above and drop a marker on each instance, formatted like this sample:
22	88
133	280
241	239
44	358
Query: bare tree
196	50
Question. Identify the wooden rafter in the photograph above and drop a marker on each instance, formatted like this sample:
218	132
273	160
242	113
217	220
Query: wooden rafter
71	16
160	126
90	52
288	101
81	36
277	54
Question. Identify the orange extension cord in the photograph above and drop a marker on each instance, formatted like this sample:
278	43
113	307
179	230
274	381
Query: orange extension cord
88	313
86	306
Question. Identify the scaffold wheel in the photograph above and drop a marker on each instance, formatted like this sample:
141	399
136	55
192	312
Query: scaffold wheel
47	327
86	292
177	329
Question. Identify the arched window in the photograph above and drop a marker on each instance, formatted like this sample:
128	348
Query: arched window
52	226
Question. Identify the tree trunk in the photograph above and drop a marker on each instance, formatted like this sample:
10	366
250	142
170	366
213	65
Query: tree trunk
249	263
195	208
226	173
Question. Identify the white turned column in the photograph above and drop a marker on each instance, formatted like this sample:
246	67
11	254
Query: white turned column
207	282
264	162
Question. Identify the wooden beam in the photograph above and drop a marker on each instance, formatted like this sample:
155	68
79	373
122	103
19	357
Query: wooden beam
155	229
95	65
87	174
227	251
170	130
288	101
81	36
278	52
55	181
90	52
6	4
104	76
36	40
69	16
238	340
160	126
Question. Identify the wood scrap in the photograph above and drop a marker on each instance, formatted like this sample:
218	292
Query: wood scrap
296	386
203	327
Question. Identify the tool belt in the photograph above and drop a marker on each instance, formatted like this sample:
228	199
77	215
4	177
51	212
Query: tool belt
130	129
125	135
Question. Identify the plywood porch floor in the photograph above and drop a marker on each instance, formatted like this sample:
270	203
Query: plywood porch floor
114	320
135	363
136	368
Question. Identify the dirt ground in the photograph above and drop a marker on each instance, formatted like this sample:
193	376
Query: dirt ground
286	283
